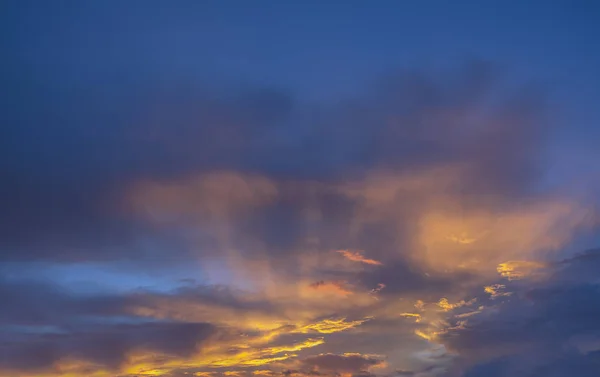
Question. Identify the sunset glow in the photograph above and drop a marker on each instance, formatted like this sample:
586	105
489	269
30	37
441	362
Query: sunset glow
299	189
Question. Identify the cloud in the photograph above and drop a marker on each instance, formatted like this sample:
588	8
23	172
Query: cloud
518	269
416	316
213	197
549	321
346	363
435	179
327	326
445	305
355	256
331	287
181	137
495	290
106	346
47	325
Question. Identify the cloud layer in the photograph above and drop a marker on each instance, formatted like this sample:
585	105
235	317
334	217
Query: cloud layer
152	228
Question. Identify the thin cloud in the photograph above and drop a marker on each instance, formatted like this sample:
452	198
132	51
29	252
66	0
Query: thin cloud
356	256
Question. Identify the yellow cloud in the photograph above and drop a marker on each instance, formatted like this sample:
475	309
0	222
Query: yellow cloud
234	373
513	270
495	290
263	372
253	352
447	306
416	316
469	314
328	326
244	356
424	335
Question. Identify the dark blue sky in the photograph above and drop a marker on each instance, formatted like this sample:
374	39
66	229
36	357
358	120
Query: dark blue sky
311	188
313	51
331	48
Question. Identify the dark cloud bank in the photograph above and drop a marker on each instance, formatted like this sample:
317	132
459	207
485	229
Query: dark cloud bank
69	156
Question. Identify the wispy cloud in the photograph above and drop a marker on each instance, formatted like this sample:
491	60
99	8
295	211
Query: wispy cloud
356	256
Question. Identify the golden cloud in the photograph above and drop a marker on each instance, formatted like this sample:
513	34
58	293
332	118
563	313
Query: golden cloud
448	232
416	316
328	326
502	233
496	290
445	305
514	270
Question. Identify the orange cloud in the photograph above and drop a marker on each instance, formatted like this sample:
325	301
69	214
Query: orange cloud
355	256
451	230
501	233
333	287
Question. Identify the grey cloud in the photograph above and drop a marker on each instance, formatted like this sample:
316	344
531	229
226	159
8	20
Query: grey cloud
106	137
42	323
402	276
543	322
106	345
42	303
39	303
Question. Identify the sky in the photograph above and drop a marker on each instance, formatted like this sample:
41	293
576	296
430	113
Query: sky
299	188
